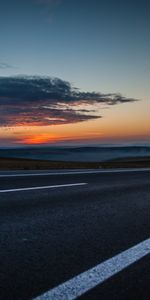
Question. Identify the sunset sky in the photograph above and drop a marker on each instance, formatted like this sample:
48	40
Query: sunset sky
74	72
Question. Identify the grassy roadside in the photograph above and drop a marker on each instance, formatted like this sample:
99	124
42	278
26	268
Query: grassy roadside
29	164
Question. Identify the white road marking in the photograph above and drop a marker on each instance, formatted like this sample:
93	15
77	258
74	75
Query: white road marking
41	187
84	282
76	172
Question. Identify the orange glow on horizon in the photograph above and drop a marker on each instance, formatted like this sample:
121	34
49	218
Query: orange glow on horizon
42	138
121	124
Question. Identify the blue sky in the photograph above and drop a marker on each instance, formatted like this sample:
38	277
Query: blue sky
96	45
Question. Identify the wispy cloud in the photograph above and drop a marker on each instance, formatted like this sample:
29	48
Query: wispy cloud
48	7
48	2
33	100
4	66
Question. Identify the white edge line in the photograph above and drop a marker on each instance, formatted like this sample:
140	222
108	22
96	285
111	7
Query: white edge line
41	187
88	280
76	172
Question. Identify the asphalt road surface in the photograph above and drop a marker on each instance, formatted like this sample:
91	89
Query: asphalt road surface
73	234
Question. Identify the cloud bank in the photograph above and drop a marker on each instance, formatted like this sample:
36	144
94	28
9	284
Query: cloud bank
35	100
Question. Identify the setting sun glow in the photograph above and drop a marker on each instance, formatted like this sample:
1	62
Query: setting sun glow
38	139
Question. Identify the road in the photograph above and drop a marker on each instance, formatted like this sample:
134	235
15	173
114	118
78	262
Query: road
56	227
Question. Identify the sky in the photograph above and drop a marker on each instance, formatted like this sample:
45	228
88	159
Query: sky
74	72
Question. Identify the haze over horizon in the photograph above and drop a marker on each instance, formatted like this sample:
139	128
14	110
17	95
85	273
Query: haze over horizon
74	72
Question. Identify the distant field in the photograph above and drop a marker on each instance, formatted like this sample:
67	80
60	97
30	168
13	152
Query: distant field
91	154
29	164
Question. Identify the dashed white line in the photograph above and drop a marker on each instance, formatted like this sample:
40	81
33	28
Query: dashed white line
88	280
42	187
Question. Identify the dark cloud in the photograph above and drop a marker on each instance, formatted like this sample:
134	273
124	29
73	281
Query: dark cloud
33	100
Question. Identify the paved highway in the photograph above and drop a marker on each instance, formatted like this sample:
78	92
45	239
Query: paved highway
71	235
